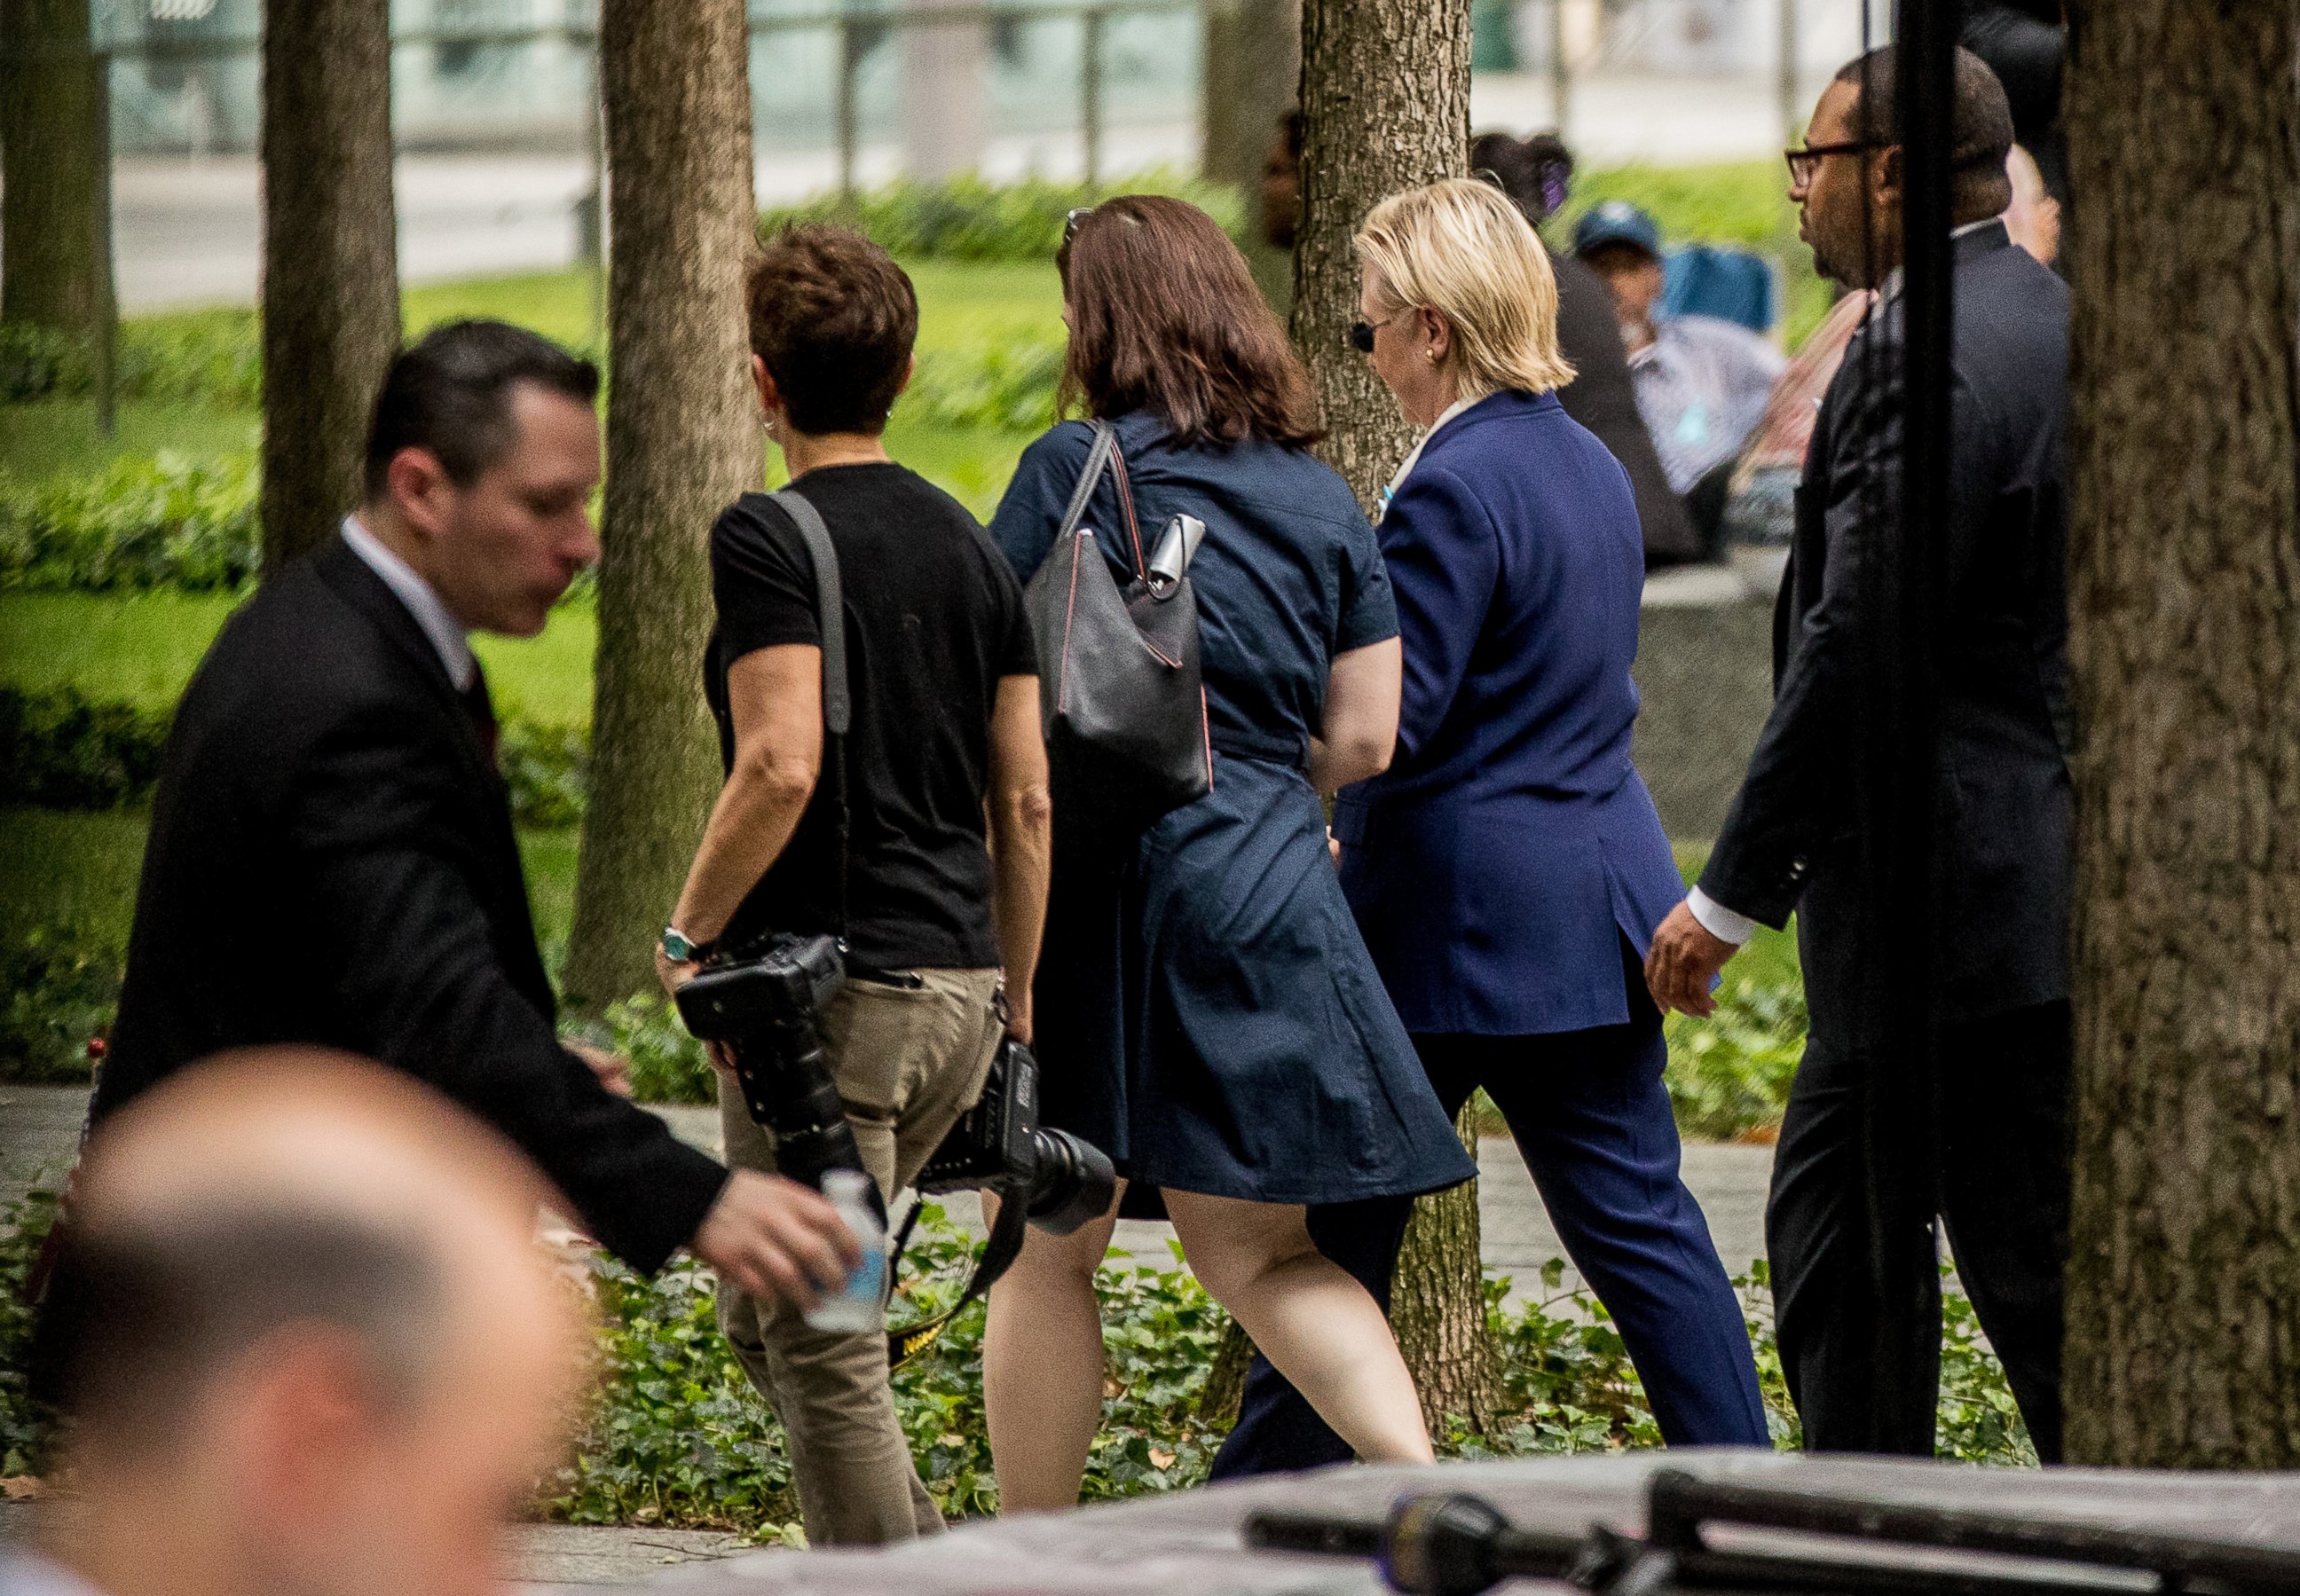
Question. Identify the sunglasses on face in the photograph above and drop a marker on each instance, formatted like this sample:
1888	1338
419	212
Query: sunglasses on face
1361	334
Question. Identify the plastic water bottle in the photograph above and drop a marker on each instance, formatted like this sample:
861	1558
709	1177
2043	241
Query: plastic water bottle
861	1304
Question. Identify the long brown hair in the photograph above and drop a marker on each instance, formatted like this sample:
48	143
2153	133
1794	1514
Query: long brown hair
1164	317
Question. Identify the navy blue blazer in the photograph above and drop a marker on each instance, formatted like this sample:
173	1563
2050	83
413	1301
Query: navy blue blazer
1496	866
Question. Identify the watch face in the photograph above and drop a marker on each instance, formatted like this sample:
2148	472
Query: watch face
679	949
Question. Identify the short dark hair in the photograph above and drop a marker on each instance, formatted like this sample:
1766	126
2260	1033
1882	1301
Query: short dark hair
450	393
834	318
1980	123
1536	172
141	1315
1165	318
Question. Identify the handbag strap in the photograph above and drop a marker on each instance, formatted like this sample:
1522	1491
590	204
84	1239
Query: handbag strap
830	619
1105	454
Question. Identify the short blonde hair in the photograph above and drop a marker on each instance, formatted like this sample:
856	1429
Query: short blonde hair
1460	248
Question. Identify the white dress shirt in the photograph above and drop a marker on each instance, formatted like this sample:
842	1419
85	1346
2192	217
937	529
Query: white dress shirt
27	1574
447	633
1722	923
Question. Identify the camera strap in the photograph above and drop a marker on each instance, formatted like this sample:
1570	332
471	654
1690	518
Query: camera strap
999	1254
1005	1243
830	619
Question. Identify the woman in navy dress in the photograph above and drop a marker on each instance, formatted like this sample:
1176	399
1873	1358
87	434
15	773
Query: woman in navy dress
1509	869
1206	1010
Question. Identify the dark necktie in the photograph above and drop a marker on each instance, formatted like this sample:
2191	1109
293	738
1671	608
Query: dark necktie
482	712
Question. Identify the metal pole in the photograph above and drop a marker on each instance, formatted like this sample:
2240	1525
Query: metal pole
1900	1098
849	136
1561	71
1090	91
107	286
591	210
1792	103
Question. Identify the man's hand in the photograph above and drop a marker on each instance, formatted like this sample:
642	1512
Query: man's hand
672	974
776	1240
613	1069
1685	958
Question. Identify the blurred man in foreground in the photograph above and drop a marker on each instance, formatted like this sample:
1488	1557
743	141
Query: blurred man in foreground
302	1340
332	857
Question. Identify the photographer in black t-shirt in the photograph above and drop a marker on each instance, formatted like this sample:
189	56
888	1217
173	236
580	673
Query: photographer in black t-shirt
945	865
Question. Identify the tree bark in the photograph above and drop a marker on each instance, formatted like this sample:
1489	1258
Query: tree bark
1438	1305
683	442
331	258
1253	74
52	151
2184	564
1366	134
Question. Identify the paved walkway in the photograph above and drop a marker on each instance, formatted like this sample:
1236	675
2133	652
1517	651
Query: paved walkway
40	1124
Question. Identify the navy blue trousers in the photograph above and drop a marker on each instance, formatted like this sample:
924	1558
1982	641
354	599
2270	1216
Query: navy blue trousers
1592	1120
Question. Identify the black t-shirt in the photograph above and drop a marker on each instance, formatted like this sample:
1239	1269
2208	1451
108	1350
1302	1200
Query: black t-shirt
934	619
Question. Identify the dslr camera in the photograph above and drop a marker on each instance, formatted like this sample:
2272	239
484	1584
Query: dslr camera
764	1002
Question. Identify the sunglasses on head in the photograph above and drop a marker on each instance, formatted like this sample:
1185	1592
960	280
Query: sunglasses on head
1073	218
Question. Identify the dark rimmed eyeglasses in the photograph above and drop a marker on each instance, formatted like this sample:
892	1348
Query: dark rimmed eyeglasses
1361	333
1805	162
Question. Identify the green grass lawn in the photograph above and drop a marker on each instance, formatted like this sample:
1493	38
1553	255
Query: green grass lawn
77	872
144	646
58	438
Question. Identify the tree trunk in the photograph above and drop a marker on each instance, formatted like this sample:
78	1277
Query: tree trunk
2183	565
683	442
1437	1306
1367	133
1253	74
331	258
51	150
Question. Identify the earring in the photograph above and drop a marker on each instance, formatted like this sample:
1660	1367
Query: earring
1431	355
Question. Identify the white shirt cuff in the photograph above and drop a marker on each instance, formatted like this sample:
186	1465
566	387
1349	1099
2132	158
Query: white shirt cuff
1717	920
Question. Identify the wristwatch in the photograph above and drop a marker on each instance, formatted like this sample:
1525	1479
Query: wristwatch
680	949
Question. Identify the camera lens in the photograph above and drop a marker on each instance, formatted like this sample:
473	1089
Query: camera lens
1071	1182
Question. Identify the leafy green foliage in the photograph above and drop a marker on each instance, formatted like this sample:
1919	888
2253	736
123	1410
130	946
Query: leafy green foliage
967	219
1002	387
60	749
1730	1073
66	751
24	1426
667	1064
207	356
146	521
57	992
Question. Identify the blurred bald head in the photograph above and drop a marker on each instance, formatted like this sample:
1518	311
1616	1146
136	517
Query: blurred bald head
302	1304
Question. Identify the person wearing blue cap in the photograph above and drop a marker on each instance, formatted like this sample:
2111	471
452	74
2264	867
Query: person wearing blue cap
1702	382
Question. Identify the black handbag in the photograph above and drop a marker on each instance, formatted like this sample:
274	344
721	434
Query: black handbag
1119	694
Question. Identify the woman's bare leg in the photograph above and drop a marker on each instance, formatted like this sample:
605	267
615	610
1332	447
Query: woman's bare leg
1042	1366
1316	1324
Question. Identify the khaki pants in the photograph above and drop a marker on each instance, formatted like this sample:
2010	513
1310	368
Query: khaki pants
908	1061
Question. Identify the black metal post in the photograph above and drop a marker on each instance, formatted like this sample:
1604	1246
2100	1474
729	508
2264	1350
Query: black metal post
1907	547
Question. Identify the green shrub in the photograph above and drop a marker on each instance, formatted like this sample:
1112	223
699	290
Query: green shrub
63	750
667	1064
24	1426
147	521
969	218
673	1435
57	992
213	357
1729	1074
1007	388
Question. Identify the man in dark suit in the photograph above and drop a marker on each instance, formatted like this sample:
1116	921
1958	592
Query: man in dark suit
331	859
1791	840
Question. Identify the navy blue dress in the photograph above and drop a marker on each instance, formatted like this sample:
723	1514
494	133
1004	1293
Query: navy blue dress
1206	1009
